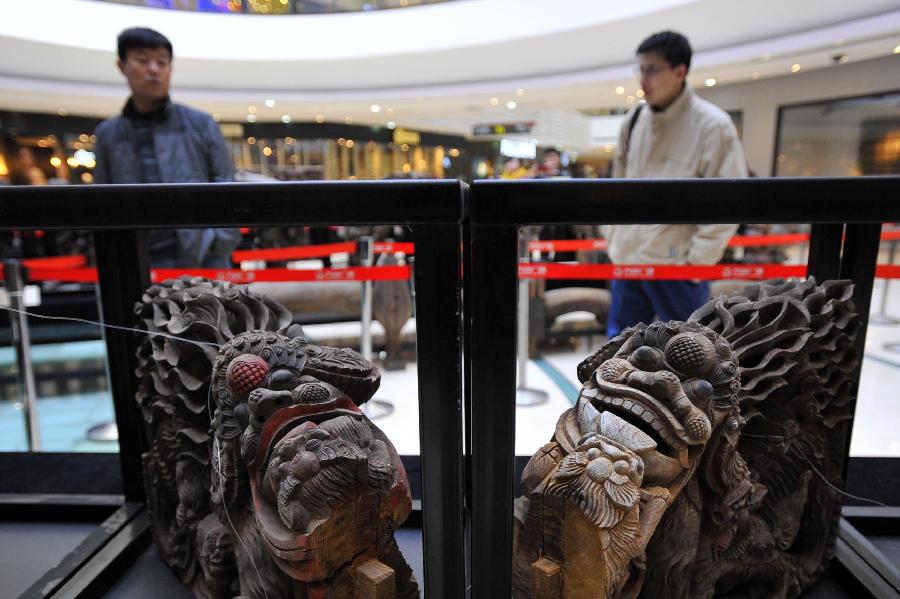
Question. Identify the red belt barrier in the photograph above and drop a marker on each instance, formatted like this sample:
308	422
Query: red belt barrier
574	245
658	272
234	275
56	262
302	252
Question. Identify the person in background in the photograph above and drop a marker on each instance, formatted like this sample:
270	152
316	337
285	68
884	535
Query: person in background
24	169
551	165
675	134
514	169
155	140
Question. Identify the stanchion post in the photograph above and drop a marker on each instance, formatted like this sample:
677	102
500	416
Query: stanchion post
882	317
15	287
524	395
365	249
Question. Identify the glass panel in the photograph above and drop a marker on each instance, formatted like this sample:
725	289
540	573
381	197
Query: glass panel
851	137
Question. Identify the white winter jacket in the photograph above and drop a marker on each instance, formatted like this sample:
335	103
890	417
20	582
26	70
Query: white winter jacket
691	138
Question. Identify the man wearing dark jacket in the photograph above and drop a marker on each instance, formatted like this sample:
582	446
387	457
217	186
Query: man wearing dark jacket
155	140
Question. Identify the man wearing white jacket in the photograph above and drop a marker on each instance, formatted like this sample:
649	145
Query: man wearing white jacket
674	135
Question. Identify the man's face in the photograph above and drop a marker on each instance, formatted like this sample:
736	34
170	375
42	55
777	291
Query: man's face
551	161
660	81
148	71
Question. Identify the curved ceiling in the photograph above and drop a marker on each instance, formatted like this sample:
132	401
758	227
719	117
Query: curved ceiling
455	55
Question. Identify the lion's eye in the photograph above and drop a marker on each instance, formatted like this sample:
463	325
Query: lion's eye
283	379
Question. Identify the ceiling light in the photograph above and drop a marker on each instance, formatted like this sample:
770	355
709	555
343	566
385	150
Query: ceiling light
511	105
795	67
320	118
711	82
630	99
639	93
251	109
251	140
897	49
270	103
494	101
350	143
285	118
251	118
62	112
375	108
348	120
454	152
55	162
216	116
520	92
267	151
391	124
620	90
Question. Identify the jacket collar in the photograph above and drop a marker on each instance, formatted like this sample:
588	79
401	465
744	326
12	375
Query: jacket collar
677	107
159	114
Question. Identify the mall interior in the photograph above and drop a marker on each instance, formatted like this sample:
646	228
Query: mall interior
488	97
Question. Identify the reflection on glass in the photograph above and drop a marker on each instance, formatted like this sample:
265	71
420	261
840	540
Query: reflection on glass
851	137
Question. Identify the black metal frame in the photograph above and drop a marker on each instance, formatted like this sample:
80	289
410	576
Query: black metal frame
119	214
850	208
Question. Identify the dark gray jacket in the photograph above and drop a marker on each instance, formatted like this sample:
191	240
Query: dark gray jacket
189	149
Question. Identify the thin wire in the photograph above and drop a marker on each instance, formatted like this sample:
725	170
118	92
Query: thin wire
112	326
231	524
208	408
816	470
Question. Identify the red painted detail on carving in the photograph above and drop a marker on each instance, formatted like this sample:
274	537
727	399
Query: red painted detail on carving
245	373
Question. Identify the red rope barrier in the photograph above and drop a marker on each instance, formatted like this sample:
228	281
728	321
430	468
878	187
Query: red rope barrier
56	262
234	275
301	252
658	272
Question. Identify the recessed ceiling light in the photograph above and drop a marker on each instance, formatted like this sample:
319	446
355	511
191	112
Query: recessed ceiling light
620	90
520	92
511	105
795	68
897	49
391	124
62	112
375	108
494	101
348	120
251	109
711	82
270	103
251	118
639	93
285	118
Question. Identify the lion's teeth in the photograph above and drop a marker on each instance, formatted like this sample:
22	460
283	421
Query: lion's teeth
625	433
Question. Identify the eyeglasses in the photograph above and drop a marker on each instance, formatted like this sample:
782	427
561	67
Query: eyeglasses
652	70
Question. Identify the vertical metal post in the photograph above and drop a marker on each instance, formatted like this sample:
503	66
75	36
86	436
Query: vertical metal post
882	316
490	295
824	259
365	248
439	361
123	276
21	337
524	395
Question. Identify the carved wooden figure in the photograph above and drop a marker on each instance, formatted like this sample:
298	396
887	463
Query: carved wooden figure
264	477
701	458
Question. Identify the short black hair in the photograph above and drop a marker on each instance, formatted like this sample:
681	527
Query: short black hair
672	46
138	38
549	151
